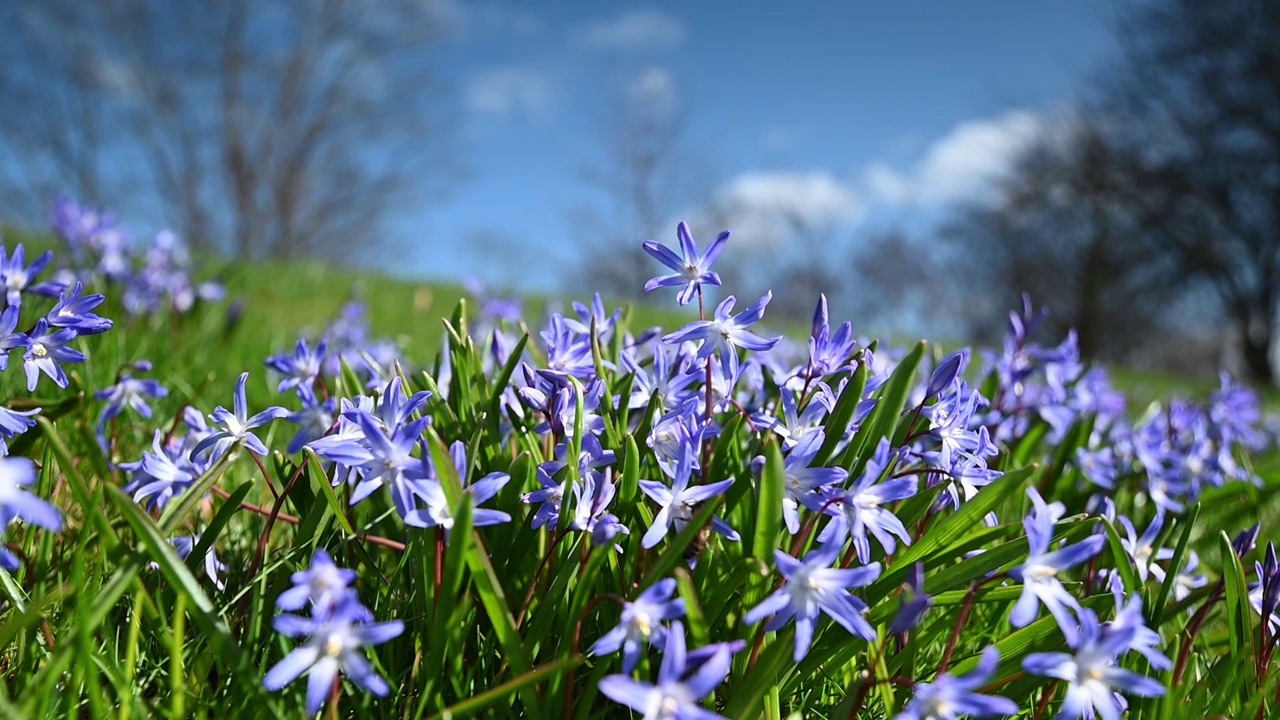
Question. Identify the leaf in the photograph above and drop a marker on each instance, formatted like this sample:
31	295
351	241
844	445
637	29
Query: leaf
696	618
506	690
203	612
842	414
1238	611
772	490
952	528
216	525
884	418
748	696
1123	563
330	497
486	581
1187	523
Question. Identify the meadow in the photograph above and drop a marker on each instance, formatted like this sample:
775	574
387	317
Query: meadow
269	490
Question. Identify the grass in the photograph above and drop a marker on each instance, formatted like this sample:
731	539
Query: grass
105	620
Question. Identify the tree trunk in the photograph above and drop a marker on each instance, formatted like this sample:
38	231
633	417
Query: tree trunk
1256	339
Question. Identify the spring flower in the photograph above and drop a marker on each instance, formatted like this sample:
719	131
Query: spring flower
692	270
45	349
300	368
813	586
333	646
1093	678
678	691
128	392
324	585
862	508
1039	575
915	602
12	424
641	624
828	353
947	697
680	502
161	475
382	457
75	311
234	427
16	275
438	512
726	333
17	502
1141	549
803	482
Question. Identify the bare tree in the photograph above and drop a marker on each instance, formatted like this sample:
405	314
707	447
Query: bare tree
1198	107
1067	226
643	170
272	128
1164	193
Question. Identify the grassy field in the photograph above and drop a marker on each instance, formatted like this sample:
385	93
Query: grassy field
104	620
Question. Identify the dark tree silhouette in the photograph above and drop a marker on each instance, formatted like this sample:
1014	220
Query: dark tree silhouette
1165	188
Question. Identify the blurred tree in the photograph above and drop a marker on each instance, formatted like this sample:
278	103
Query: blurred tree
643	170
1167	187
274	128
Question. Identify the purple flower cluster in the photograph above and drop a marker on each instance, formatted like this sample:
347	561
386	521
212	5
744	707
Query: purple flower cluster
154	278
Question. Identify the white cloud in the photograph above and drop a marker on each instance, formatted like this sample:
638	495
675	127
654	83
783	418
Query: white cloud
633	30
467	19
655	88
960	165
769	207
511	90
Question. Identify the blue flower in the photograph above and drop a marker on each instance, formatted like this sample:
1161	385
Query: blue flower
234	427
301	368
127	392
1146	642
814	586
313	419
381	456
804	483
162	474
1141	549
680	502
947	697
438	512
17	501
726	333
45	350
693	270
862	508
334	646
829	353
12	424
678	691
9	337
75	311
323	585
1093	678
915	602
641	624
16	275
1039	575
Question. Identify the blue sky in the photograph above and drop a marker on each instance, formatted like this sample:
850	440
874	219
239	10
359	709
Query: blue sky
863	114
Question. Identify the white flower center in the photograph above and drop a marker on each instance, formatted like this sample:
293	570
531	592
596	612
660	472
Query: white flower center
39	350
333	646
1040	572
